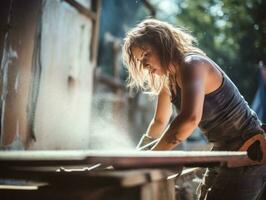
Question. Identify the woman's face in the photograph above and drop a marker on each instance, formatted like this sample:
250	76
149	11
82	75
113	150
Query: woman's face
148	58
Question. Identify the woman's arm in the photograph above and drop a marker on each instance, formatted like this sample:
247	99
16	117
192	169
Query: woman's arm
193	78
162	115
160	120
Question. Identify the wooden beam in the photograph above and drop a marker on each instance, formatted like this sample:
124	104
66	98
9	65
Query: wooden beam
83	10
96	4
150	7
114	83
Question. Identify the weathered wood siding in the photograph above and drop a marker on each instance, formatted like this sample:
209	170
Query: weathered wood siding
46	75
62	113
17	44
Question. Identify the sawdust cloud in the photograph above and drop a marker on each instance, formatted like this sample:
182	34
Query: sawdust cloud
108	132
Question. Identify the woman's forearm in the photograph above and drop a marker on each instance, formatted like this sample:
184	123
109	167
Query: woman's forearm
155	129
179	130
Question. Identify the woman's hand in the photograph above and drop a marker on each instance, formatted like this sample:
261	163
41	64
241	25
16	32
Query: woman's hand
144	141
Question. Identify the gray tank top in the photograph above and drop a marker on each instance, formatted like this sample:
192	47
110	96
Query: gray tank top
227	120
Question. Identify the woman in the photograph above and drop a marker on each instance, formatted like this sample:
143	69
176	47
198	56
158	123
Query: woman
162	59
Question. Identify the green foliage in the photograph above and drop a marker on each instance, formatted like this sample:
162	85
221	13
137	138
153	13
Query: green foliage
231	32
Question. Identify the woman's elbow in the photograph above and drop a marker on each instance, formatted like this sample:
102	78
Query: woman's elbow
192	119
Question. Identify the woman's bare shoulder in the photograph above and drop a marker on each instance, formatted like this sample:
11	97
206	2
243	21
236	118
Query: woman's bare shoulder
196	59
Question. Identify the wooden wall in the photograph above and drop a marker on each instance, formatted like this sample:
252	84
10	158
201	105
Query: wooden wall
47	53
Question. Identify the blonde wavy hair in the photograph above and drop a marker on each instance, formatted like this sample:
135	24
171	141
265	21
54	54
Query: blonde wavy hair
171	43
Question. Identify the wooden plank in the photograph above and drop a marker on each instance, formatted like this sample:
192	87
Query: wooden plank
123	178
21	185
111	185
118	159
